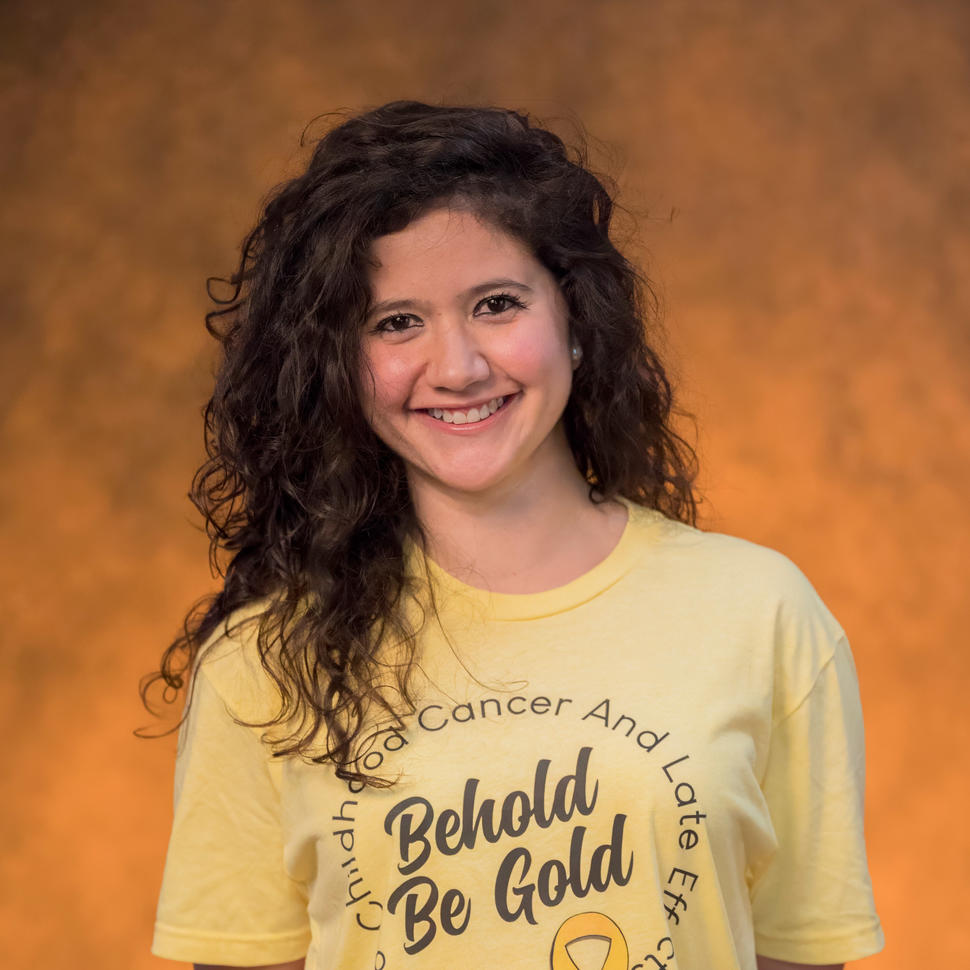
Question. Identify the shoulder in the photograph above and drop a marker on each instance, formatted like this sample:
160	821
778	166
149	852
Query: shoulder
230	662
732	590
723	566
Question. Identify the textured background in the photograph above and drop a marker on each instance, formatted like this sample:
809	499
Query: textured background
799	175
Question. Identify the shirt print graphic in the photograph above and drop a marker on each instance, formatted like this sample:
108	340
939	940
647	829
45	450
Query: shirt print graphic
565	792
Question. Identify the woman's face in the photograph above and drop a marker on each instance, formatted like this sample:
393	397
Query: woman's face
466	355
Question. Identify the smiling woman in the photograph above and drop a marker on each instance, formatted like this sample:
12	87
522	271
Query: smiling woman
475	683
463	347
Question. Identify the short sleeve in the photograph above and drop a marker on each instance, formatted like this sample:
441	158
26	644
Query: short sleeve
812	901
226	897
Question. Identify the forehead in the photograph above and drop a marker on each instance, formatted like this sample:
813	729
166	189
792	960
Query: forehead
447	245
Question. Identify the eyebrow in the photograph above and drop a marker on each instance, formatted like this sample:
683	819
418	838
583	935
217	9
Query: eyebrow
501	282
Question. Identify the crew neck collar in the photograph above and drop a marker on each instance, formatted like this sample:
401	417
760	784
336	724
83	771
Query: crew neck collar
527	606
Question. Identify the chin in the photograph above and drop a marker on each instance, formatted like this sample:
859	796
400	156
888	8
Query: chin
463	481
467	485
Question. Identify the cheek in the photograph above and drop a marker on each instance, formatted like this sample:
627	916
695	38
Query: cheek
536	355
386	380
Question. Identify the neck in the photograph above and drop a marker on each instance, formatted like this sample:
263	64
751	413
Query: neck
527	538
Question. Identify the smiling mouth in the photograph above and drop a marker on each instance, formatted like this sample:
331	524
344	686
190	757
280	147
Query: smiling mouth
469	415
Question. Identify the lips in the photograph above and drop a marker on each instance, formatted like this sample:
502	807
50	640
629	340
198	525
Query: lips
472	415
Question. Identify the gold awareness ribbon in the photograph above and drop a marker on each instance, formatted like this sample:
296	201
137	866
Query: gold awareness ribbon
585	925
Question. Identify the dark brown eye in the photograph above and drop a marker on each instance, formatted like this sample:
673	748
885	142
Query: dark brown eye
395	324
501	303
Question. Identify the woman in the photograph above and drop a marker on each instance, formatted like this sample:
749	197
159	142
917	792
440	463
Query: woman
476	691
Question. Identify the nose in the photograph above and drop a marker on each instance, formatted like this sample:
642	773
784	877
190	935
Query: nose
455	361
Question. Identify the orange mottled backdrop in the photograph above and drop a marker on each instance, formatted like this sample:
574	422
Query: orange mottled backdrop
800	175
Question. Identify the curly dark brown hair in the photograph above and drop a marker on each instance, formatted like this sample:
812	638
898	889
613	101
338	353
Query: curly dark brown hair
307	510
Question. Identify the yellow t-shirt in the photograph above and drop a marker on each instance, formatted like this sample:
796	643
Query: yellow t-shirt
659	764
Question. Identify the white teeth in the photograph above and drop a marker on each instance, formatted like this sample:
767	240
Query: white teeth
476	414
471	416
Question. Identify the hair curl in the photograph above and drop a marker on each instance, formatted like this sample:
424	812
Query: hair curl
307	507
